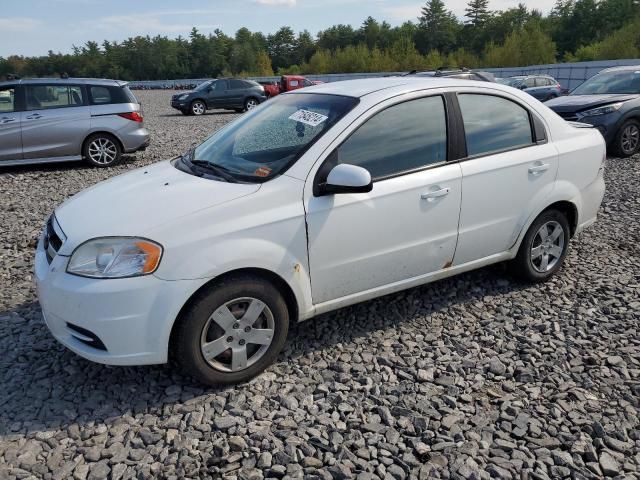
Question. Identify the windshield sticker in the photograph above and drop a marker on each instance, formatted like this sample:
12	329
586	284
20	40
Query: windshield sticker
309	118
262	172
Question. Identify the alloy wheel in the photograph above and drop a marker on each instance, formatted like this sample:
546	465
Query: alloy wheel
198	108
547	247
237	334
630	139
251	103
102	151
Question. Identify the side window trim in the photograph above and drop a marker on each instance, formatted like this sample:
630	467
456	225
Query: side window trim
330	160
538	130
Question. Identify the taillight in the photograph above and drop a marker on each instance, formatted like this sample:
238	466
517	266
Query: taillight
133	116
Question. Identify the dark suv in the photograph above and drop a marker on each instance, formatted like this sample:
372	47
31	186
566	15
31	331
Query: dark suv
228	93
610	101
542	87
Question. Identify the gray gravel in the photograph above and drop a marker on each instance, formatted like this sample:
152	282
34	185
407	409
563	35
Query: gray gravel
472	377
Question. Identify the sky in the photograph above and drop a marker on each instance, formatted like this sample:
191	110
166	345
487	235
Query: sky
33	27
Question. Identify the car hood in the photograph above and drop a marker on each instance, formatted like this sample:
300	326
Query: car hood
133	203
576	103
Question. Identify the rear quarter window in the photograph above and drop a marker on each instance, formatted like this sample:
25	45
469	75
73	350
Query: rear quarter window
106	95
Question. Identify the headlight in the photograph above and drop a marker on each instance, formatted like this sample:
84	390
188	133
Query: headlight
183	96
115	257
601	110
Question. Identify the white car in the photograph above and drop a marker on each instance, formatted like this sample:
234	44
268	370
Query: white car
317	199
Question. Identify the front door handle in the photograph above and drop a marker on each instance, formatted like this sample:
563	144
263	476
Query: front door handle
34	116
538	169
7	120
430	196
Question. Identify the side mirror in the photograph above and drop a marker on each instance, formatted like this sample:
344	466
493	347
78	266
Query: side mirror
523	87
345	178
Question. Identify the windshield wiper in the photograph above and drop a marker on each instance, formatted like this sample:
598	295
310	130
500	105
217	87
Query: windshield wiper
217	170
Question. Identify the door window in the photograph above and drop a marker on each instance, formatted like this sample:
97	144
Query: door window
7	99
221	85
492	124
294	83
529	82
401	138
53	96
236	84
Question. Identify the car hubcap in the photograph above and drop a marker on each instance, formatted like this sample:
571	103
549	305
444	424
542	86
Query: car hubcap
251	104
102	151
547	247
198	108
237	334
630	139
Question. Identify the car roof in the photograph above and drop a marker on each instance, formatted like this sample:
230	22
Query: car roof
366	86
64	81
623	68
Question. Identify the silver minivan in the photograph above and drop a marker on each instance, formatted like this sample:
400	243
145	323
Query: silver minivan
57	120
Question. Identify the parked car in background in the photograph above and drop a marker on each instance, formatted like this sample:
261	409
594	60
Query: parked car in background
293	210
287	83
55	120
610	101
462	73
227	93
542	87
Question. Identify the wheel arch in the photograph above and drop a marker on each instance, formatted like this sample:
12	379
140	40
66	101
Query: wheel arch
276	280
103	132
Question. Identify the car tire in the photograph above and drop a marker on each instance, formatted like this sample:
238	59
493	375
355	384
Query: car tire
197	107
627	140
543	248
102	150
238	110
250	103
549	97
212	350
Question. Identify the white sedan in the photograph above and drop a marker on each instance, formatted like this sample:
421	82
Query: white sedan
317	199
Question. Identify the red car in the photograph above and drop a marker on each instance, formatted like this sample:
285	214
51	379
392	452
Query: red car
286	84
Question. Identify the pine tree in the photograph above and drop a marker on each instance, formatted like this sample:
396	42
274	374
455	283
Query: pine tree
477	12
437	28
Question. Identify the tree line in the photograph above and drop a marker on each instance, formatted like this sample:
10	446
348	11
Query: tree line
575	30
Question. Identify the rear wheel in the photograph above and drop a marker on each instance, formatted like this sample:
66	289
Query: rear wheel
233	331
198	107
543	248
627	141
102	150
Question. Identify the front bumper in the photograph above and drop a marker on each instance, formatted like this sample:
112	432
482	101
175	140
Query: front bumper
131	317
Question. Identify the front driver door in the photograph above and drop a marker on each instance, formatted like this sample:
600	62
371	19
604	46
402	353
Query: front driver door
217	94
10	135
407	225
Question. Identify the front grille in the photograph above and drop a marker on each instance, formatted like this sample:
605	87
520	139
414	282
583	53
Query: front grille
86	336
53	238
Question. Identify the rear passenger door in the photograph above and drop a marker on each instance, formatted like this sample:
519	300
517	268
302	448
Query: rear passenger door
10	135
55	120
508	172
237	92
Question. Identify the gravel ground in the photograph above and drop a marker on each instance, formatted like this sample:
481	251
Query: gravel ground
471	377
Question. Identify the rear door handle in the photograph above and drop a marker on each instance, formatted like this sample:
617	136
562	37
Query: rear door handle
7	120
538	169
430	196
34	116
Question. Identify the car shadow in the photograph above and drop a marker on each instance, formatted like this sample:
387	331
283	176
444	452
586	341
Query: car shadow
127	158
45	386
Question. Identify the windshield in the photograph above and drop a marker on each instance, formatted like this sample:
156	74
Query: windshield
611	82
203	85
268	140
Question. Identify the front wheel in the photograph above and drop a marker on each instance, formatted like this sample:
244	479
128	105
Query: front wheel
250	104
627	141
198	107
233	331
543	248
